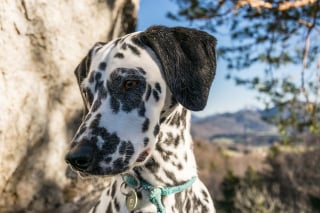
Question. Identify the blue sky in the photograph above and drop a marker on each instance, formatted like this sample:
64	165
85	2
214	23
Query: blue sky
225	96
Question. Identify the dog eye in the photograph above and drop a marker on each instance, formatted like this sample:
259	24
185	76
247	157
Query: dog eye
130	84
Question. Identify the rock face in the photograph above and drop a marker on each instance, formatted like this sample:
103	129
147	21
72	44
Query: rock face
40	105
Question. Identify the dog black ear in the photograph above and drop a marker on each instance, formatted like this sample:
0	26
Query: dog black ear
81	73
83	69
188	59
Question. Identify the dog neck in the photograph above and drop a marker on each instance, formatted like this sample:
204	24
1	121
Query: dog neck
173	152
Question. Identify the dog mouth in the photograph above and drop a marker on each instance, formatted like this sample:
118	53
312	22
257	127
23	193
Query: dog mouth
143	156
96	172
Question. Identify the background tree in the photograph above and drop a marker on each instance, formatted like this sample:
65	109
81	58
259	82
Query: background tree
282	36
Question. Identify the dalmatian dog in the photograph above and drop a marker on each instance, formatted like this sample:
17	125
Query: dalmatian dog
138	91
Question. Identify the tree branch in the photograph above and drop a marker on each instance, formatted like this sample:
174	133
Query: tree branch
310	26
295	4
286	5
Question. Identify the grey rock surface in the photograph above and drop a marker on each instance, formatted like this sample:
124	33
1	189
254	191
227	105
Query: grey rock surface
40	105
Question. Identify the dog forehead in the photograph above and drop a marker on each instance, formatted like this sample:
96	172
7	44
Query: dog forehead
126	53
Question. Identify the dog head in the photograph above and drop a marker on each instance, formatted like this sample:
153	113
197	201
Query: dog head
127	84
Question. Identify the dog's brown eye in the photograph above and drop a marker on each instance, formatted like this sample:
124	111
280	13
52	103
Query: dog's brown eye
130	84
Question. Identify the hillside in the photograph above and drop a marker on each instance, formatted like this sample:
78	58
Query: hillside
245	126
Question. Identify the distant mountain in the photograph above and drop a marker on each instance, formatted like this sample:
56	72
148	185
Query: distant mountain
245	126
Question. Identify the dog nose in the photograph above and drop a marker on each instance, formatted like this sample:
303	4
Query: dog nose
80	157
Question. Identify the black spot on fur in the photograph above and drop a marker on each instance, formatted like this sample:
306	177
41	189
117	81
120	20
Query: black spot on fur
141	70
205	209
111	142
158	87
160	135
156	130
122	148
155	95
176	141
138	42
118	164
109	209
145	125
134	49
169	139
119	55
83	128
117	41
162	120
115	105
152	165
89	96
145	141
91	77
94	140
97	49
171	176
182	136
129	151
148	92
175	120
124	46
96	105
142	109
102	66
197	201
183	117
95	123
102	132
102	93
116	204
188	205
99	84
165	154
98	76
204	193
113	189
